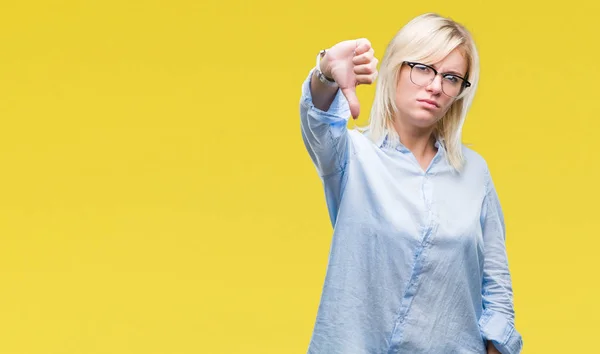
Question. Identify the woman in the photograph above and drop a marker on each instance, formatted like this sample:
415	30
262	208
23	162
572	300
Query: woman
418	261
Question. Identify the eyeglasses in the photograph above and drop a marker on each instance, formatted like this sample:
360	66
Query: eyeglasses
423	75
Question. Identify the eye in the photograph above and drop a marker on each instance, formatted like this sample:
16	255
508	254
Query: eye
452	79
422	68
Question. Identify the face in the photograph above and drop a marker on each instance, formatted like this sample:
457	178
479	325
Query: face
423	106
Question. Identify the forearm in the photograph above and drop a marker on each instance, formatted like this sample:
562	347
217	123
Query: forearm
491	349
322	95
497	321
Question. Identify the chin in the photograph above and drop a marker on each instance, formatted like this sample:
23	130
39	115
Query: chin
424	119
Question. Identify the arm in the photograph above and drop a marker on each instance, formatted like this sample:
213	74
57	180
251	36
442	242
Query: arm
324	113
491	349
322	95
325	110
325	137
497	321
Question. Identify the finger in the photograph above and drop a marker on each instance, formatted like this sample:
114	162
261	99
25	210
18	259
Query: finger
364	69
362	46
350	94
363	58
366	79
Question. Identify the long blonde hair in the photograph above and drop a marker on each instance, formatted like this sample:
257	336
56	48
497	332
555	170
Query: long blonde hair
427	38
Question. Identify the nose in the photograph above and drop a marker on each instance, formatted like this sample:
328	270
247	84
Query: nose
436	85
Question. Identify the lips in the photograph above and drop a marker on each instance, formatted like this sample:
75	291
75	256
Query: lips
430	102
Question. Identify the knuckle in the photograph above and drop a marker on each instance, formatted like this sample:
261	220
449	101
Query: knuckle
367	79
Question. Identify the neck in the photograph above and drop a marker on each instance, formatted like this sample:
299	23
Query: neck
420	141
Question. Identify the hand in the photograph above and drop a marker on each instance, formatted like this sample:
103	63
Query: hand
491	349
351	63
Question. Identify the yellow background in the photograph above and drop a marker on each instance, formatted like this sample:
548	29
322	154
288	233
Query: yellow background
156	197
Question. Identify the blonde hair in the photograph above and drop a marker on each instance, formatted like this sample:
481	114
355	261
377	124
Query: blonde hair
427	38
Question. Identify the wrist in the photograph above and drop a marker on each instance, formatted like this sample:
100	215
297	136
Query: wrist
322	69
323	65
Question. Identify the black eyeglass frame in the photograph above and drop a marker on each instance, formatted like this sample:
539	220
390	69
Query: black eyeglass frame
464	85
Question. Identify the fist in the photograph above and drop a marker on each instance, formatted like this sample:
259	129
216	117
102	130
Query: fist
351	63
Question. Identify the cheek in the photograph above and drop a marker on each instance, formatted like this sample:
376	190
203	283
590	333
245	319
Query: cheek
404	93
446	104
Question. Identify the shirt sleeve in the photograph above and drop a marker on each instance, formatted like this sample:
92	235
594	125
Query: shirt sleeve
497	320
325	136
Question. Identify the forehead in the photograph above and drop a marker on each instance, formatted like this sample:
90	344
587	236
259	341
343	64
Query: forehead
455	61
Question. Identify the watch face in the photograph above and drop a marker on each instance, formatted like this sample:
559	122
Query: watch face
325	79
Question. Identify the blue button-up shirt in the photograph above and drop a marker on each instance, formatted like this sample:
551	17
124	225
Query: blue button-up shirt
418	262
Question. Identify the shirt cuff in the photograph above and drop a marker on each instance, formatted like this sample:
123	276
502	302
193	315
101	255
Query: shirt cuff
339	110
495	327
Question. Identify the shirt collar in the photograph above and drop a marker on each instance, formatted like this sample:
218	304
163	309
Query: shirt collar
385	142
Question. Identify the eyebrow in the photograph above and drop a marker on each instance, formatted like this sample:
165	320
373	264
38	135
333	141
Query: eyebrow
450	72
453	72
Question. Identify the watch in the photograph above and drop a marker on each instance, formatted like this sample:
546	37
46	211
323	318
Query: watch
324	79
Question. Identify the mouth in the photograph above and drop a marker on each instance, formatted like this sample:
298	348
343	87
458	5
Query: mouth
429	103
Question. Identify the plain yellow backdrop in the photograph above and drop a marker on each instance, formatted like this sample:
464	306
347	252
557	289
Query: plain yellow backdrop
156	197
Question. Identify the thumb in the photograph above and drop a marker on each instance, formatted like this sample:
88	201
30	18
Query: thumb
350	94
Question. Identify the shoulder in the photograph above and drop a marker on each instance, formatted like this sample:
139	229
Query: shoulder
474	160
361	140
476	165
